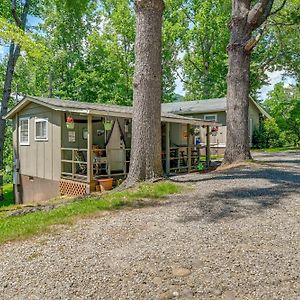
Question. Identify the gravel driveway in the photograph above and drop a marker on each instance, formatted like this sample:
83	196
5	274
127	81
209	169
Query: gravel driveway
236	235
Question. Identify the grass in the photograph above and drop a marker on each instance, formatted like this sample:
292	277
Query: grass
20	227
279	149
8	195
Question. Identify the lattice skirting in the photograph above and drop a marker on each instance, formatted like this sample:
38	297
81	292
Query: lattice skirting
73	188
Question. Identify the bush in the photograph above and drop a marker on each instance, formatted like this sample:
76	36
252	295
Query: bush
268	135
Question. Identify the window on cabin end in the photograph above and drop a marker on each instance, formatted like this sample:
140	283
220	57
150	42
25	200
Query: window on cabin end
41	129
210	118
24	131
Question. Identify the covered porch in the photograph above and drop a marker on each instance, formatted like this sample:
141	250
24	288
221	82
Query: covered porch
98	145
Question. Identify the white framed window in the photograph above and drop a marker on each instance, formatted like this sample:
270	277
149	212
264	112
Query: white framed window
211	117
24	131
41	129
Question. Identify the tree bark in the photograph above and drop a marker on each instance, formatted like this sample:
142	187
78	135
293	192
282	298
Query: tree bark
243	22
14	53
237	143
145	162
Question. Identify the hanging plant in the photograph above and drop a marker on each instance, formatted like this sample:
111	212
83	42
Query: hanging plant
194	130
70	122
108	125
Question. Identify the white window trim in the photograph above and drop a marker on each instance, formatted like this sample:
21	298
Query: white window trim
211	115
41	120
28	142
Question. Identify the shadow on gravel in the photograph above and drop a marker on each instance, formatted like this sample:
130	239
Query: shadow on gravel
238	202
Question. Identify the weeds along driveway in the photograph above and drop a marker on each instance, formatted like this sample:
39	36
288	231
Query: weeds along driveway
235	236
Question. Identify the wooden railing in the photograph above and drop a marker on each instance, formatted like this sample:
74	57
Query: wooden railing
74	164
179	160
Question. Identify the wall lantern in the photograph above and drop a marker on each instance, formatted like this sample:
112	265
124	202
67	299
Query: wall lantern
70	122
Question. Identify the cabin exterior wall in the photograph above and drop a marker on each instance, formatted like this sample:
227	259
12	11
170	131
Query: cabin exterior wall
39	160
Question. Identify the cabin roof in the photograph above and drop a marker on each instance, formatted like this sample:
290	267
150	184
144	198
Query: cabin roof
203	106
99	109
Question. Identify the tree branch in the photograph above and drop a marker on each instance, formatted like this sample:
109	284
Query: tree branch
279	8
259	13
254	40
24	14
14	12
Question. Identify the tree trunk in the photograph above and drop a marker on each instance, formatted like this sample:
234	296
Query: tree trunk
245	20
14	53
145	162
237	143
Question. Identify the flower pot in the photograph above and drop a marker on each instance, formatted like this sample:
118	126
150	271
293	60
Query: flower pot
70	125
105	184
108	126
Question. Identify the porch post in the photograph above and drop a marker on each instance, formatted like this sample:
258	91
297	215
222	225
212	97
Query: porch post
189	150
207	147
167	148
89	149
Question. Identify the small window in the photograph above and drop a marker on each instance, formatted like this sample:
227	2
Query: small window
24	131
41	129
210	118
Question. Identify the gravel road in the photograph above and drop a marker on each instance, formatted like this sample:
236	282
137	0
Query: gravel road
236	235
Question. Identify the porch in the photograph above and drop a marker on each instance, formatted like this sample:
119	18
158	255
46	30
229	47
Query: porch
98	146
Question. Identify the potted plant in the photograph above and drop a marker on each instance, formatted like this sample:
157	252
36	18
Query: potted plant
70	122
108	125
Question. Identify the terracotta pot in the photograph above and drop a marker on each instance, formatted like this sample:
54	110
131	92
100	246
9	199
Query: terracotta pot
105	184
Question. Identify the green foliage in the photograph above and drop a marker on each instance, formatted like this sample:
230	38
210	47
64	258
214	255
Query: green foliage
268	135
8	195
8	155
283	104
10	32
204	47
12	228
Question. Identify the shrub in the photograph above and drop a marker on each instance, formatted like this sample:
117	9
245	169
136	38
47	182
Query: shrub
268	135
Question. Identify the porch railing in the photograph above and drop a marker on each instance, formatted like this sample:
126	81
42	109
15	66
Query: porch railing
74	164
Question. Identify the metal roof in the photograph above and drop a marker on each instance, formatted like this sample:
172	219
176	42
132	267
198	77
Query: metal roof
199	106
99	109
203	106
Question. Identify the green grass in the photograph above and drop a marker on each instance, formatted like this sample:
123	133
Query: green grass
8	195
273	150
18	227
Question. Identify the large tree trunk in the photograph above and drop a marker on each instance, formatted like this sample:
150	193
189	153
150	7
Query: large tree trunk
238	82
245	20
145	162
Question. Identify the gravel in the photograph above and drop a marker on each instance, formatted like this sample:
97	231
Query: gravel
236	235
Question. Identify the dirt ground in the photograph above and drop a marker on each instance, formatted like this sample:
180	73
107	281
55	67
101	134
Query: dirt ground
234	235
